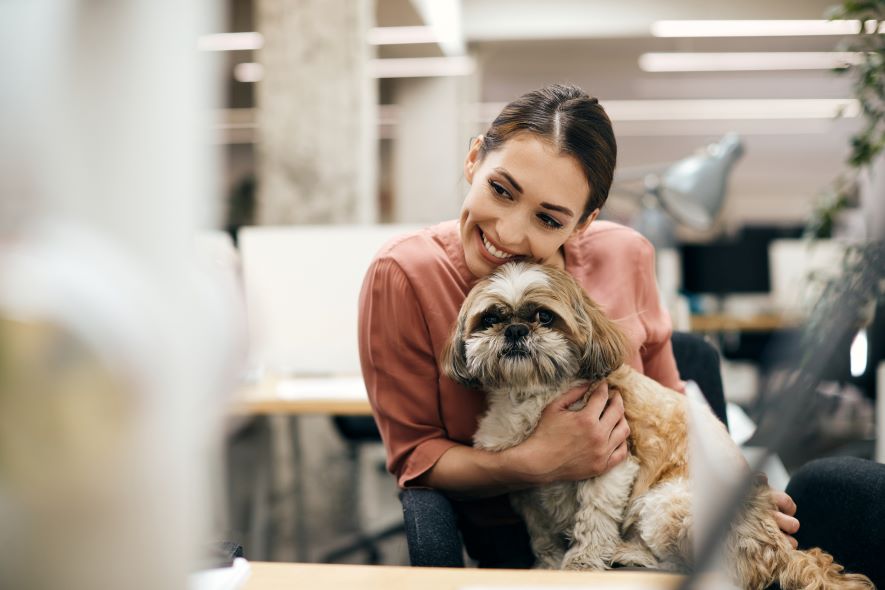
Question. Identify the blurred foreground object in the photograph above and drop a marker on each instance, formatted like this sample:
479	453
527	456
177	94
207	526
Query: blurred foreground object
114	346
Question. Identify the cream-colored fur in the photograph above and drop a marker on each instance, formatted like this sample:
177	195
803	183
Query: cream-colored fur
639	512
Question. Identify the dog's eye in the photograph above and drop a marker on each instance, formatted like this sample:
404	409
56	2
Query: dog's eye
489	320
544	317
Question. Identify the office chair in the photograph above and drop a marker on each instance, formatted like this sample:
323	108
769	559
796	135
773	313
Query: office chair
431	524
356	431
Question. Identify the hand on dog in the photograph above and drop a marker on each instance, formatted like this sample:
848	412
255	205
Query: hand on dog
571	445
785	515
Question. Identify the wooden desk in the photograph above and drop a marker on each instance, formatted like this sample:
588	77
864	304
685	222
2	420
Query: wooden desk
721	322
268	396
286	576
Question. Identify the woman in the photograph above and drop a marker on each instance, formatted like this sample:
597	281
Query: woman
538	178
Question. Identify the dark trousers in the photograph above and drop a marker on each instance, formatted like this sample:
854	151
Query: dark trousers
841	509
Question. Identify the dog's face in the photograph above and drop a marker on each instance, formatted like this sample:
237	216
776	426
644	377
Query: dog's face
531	327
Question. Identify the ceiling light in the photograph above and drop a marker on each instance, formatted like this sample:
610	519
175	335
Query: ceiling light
401	35
231	42
753	28
745	61
714	109
420	67
248	72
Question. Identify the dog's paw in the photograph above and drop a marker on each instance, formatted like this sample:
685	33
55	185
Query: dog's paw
548	562
583	561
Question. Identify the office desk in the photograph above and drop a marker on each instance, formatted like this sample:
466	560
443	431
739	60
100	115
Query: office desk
723	322
285	576
335	396
295	397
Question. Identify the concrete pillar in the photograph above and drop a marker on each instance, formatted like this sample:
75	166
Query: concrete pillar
436	119
317	121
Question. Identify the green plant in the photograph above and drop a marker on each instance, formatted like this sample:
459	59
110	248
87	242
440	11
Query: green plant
867	72
861	282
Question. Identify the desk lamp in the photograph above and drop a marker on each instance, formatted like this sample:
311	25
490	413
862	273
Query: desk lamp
690	190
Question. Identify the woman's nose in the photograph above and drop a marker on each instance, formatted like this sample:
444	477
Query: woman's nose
511	233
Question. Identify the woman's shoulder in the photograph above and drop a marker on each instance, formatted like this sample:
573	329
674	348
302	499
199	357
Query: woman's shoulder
607	238
420	250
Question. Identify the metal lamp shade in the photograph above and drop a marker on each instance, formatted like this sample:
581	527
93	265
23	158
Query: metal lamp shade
693	190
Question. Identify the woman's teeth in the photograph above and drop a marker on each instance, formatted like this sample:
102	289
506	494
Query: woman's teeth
494	251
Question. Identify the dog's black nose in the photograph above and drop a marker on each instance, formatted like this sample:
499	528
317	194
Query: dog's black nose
516	331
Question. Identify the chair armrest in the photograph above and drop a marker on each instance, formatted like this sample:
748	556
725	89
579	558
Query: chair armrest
431	529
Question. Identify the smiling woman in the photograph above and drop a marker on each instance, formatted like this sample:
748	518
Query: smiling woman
538	177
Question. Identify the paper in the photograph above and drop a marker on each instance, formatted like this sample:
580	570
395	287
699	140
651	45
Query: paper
322	388
223	578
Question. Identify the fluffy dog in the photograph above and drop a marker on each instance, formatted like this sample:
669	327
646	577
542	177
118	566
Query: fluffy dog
528	333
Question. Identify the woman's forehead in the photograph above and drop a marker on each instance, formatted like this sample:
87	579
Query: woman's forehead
541	171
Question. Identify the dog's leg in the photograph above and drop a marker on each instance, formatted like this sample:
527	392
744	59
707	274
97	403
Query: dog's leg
547	543
601	504
663	520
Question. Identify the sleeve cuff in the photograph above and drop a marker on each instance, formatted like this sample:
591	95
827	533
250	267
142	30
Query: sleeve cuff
422	458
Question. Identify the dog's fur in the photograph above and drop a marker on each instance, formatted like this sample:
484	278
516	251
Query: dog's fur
638	513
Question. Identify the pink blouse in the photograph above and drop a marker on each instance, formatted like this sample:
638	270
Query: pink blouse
408	306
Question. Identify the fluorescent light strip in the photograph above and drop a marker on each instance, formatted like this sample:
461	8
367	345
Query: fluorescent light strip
745	61
248	72
421	67
753	28
714	109
231	42
400	35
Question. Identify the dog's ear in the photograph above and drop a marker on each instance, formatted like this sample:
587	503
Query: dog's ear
453	362
606	347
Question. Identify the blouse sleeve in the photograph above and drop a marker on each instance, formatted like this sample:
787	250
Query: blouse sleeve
657	350
400	372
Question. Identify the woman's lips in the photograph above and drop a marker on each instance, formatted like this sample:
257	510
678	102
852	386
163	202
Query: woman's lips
488	255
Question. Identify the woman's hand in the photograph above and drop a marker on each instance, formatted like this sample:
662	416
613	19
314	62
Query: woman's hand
785	515
573	445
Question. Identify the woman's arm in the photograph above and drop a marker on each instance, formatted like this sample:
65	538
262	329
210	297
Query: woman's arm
567	445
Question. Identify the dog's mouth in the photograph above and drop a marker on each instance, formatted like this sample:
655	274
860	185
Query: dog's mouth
516	351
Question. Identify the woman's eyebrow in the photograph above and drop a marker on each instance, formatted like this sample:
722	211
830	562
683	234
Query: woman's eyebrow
509	178
561	209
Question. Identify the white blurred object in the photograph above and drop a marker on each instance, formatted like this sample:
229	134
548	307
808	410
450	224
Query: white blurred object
797	269
742	428
222	578
668	267
715	474
302	289
740	380
98	280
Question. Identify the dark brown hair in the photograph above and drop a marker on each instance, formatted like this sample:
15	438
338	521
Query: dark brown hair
573	122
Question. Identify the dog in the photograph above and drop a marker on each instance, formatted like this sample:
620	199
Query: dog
526	334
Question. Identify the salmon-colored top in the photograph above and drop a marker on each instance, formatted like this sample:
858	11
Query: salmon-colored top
409	303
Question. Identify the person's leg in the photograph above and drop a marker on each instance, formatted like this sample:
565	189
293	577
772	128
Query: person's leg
841	509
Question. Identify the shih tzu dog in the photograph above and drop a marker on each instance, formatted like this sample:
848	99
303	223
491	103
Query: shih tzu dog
528	333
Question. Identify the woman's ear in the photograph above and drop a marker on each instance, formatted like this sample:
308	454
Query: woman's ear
584	224
472	159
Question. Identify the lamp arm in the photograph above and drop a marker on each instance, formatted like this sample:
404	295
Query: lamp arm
636	173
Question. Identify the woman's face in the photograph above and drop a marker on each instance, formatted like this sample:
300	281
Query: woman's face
523	204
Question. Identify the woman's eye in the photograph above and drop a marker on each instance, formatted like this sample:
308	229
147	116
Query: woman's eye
545	318
500	190
549	221
489	320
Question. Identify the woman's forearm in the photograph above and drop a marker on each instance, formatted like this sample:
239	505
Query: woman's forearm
467	472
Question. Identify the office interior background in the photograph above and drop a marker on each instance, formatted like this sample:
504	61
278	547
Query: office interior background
156	130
